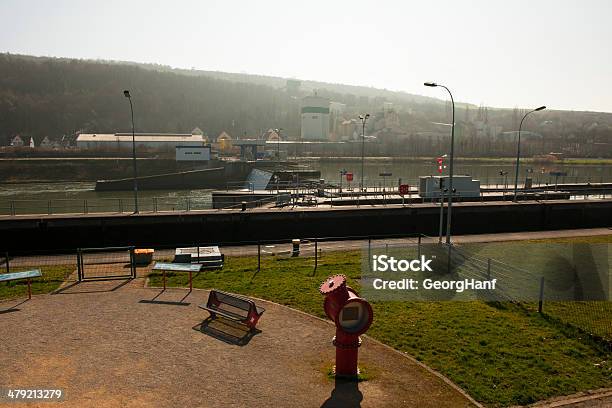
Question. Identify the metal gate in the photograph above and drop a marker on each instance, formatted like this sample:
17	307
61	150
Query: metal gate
94	264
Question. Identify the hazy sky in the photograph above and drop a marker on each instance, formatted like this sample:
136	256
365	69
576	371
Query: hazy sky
501	53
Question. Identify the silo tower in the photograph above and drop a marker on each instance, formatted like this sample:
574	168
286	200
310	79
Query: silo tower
315	118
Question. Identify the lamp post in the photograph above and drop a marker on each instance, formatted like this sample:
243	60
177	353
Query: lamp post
364	119
126	93
278	134
450	168
518	149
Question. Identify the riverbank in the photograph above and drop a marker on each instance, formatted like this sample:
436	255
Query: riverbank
567	161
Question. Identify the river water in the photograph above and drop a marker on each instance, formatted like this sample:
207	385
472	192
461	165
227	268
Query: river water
64	197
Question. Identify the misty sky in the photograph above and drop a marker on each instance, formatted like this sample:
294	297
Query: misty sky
498	53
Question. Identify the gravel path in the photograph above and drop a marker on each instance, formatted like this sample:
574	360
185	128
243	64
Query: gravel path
107	344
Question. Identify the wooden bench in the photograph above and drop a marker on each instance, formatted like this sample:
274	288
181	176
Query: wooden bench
233	307
34	273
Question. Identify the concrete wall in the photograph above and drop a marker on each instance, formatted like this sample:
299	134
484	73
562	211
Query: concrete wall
68	233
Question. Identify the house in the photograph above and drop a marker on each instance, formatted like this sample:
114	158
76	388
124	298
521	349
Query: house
46	143
17	141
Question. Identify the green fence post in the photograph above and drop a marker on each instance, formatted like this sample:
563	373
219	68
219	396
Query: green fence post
316	257
258	256
541	295
132	262
79	269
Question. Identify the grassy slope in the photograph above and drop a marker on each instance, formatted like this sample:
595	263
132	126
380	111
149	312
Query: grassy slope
549	258
500	354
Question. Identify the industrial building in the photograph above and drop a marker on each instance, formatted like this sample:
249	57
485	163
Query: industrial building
315	118
144	141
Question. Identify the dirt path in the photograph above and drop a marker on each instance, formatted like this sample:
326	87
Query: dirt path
110	344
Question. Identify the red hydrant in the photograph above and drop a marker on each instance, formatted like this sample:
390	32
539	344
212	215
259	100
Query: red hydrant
352	316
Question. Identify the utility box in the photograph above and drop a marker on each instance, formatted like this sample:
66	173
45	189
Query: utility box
209	256
433	186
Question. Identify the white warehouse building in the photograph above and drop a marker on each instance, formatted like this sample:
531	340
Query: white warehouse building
144	141
315	118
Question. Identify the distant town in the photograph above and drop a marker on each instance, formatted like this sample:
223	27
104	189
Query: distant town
305	117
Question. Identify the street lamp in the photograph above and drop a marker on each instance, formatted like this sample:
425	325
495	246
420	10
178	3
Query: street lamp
518	149
278	134
364	119
450	169
126	93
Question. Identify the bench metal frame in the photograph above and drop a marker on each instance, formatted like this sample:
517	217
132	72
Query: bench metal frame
253	314
82	276
178	267
34	273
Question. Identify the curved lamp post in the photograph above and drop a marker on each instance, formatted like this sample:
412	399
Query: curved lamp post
126	93
518	149
364	119
278	138
450	169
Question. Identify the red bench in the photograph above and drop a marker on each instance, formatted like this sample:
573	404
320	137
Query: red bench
233	307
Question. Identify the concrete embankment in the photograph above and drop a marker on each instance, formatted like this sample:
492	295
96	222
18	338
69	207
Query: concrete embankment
80	169
234	226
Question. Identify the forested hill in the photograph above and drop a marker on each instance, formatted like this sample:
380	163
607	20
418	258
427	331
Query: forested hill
50	97
42	96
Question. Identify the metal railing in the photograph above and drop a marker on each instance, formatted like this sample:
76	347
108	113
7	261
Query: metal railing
311	194
58	206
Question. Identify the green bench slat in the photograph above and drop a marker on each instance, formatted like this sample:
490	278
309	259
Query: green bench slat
177	267
34	273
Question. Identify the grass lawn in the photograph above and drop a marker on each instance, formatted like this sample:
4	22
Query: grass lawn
556	260
501	354
52	278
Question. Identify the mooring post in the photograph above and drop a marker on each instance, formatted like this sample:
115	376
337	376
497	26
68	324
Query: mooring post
7	262
419	248
258	256
489	268
541	295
